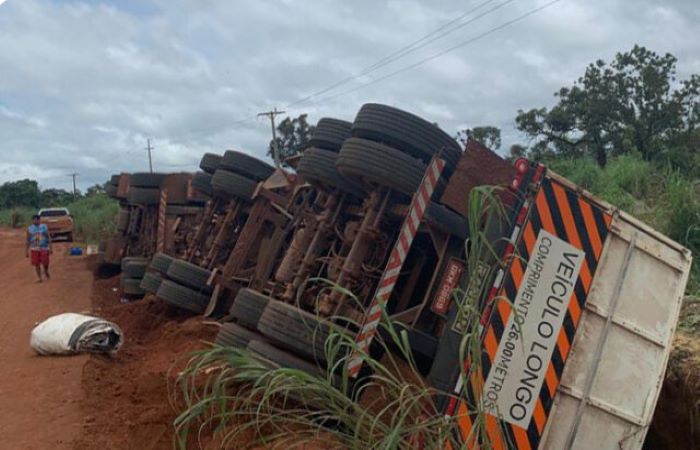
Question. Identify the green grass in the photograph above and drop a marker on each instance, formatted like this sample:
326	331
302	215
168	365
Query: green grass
16	217
233	396
94	217
657	195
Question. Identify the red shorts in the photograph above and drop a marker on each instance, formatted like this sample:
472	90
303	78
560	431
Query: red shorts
40	257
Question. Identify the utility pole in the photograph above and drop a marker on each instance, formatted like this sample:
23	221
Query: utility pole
150	160
75	191
275	150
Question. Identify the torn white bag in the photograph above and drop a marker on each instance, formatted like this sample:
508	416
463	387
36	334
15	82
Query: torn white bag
75	333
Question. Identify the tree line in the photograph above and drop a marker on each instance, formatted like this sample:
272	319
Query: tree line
27	192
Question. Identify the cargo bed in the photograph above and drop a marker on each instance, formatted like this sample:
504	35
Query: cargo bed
577	328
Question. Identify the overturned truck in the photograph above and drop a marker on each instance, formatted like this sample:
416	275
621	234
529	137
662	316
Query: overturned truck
578	301
574	303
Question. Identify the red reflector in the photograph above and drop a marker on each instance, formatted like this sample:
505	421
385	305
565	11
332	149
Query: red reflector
522	165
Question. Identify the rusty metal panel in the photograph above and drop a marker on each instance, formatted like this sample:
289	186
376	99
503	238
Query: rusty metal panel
177	185
123	186
478	166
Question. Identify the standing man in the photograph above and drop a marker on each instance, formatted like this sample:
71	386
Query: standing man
39	245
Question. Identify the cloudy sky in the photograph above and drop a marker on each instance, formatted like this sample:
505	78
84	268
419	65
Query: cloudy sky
84	84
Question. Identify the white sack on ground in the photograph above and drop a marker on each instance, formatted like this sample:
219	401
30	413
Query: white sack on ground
75	333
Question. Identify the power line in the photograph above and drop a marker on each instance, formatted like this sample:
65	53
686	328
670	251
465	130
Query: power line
434	35
213	128
420	43
443	52
193	164
409	48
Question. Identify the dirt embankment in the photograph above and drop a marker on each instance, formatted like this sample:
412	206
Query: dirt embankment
126	397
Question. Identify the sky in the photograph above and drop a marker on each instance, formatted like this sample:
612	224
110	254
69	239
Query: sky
85	84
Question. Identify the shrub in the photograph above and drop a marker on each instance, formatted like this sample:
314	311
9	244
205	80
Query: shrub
16	217
94	217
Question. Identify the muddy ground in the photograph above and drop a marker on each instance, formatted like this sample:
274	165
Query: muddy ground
40	398
85	402
126	398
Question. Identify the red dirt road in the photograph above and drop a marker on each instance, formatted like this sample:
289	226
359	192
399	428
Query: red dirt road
39	396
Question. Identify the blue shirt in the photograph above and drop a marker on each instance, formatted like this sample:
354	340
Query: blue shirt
38	236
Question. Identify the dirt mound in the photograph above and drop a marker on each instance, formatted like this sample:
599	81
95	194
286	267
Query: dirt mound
676	422
127	403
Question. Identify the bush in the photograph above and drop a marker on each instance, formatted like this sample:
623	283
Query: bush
16	217
94	217
682	211
665	199
624	182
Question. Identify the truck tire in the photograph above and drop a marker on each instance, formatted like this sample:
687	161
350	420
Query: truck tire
111	191
376	164
233	185
246	165
318	168
446	220
406	132
233	335
296	330
128	259
182	210
182	297
122	220
135	269
189	275
131	286
146	179
161	262
248	306
143	196
202	182
282	359
330	134
151	282
210	162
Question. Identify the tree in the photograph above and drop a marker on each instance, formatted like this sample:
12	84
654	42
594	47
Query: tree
20	193
55	197
292	138
96	189
489	136
516	151
631	104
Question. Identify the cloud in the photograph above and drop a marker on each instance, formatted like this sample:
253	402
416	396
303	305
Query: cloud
85	83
